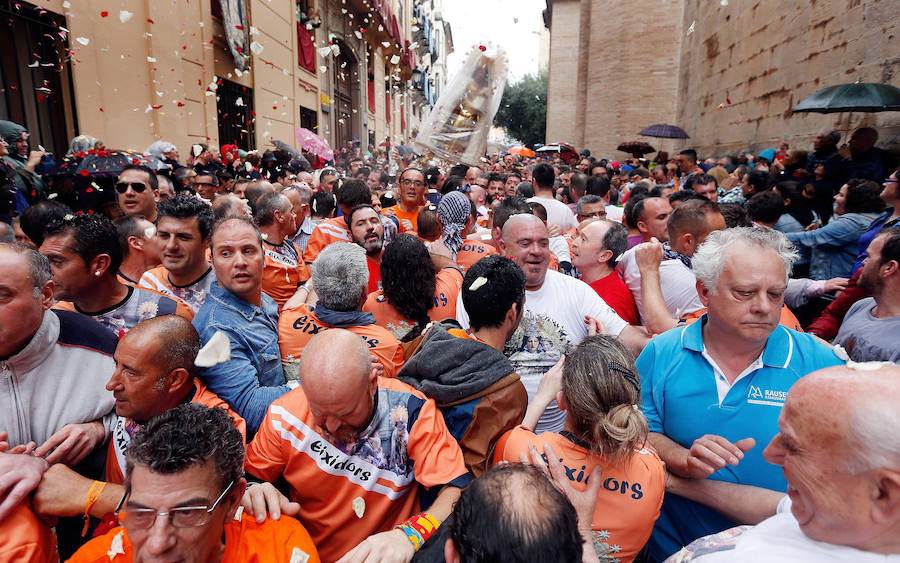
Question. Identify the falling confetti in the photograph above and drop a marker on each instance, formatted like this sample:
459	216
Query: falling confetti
691	28
256	47
83	40
104	14
395	59
125	15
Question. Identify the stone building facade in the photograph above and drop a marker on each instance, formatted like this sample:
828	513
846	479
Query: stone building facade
728	72
144	71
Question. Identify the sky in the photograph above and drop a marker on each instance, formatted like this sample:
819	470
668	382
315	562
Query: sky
514	24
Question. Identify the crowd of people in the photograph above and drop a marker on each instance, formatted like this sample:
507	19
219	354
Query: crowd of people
262	356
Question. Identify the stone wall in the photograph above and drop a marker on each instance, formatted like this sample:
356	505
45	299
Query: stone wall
767	55
616	67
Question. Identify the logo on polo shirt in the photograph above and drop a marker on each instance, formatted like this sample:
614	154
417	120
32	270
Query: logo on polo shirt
769	397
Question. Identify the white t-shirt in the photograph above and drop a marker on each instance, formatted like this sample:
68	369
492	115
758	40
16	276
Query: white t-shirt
778	539
557	212
677	281
552	323
614	212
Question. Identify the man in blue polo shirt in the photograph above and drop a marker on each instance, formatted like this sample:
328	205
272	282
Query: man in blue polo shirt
714	389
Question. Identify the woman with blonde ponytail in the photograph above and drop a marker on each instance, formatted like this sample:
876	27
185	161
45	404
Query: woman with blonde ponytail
598	387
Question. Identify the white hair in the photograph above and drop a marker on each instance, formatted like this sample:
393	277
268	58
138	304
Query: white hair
340	275
873	433
709	259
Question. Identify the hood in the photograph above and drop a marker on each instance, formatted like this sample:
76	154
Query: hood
10	132
448	369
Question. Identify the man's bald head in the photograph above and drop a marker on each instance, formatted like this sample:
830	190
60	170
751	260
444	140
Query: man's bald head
839	449
339	383
860	405
518	221
174	341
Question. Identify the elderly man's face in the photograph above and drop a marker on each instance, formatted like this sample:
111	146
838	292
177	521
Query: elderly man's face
196	485
205	186
374	181
595	210
830	502
136	383
367	230
471	174
588	245
749	296
528	245
327	182
166	190
21	311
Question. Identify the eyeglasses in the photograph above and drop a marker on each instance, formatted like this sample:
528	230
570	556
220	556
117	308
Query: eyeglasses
595	214
181	517
138	187
411	183
889	181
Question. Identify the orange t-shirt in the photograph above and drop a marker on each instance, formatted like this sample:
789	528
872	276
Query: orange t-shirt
630	497
412	216
787	318
472	251
118	444
325	233
24	537
297	326
246	541
283	272
374	275
447	287
406	445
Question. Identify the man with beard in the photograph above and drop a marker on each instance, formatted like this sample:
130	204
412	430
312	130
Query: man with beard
367	230
871	327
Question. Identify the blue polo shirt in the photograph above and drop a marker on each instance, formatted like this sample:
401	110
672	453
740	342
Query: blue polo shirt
680	400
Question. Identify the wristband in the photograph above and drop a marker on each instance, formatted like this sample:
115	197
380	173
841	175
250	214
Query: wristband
92	496
418	529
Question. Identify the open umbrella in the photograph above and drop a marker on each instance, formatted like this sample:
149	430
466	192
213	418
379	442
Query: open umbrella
295	154
858	96
108	163
637	148
521	151
664	131
313	143
557	147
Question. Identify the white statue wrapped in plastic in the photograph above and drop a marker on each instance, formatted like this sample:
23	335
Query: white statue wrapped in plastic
458	125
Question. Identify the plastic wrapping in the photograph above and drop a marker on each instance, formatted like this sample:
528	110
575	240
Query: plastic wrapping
458	125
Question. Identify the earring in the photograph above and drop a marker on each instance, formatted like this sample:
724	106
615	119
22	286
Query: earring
97	273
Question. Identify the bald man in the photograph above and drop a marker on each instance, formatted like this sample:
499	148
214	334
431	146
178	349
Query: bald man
354	448
155	372
838	447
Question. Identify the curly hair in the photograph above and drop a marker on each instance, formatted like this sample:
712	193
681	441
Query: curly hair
409	280
190	434
185	207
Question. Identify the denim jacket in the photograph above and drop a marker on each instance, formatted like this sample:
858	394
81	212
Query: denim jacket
832	248
252	378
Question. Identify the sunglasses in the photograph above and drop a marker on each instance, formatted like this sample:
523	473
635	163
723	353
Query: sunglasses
138	187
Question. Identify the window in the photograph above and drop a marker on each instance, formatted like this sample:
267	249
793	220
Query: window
235	111
35	78
309	119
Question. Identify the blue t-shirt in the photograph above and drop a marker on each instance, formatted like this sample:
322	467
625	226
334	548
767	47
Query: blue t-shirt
680	400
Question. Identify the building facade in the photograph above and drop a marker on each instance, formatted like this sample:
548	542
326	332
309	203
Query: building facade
202	71
727	72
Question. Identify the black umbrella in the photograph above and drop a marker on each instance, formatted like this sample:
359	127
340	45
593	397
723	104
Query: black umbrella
664	131
858	96
108	163
637	148
295	154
